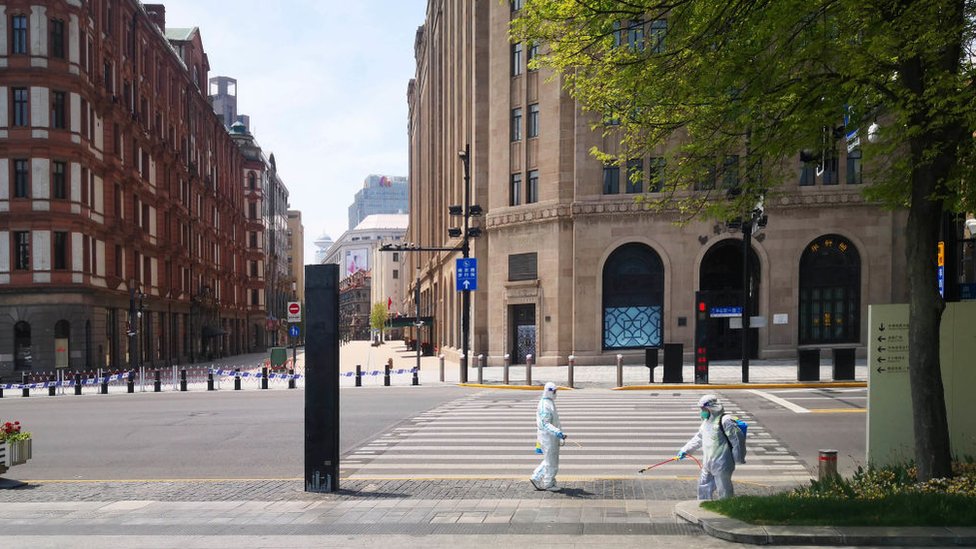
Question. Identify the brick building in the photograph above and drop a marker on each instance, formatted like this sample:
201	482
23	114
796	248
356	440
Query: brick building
122	221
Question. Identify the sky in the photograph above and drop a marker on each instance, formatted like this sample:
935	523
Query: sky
325	85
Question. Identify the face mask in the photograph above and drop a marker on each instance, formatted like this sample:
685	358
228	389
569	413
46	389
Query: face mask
704	414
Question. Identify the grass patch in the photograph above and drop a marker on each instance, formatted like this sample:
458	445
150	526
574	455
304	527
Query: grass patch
909	509
885	496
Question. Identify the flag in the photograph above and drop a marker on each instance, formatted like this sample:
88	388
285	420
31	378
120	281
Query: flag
389	303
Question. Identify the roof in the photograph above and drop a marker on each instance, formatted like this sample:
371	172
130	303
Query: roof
180	35
383	221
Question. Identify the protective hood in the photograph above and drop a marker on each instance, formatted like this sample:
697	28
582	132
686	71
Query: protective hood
549	391
710	402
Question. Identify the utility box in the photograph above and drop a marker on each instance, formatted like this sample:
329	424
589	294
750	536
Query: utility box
279	356
808	365
673	362
844	364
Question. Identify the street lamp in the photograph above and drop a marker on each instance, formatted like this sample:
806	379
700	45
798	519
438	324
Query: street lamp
135	316
749	224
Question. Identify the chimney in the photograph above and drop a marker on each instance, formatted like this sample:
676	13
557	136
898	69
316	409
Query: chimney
157	14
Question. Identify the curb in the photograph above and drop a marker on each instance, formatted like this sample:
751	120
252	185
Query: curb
701	387
729	529
511	387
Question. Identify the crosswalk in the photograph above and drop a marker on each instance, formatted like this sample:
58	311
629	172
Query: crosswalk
612	434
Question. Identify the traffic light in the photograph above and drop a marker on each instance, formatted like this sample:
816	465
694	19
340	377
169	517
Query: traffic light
701	337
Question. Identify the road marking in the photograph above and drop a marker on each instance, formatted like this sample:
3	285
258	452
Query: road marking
838	411
782	402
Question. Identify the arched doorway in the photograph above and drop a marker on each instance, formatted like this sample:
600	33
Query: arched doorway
830	292
721	286
23	358
633	298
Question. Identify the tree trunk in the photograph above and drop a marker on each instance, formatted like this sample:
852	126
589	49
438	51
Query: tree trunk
932	454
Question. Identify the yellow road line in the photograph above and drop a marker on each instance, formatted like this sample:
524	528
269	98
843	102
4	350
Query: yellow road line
511	387
693	387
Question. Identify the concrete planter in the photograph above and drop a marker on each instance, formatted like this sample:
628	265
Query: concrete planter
14	453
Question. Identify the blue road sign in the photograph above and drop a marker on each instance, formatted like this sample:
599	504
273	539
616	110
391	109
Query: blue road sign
725	312
293	330
467	274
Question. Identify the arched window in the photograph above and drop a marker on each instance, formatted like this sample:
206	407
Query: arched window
830	292
252	181
22	346
633	298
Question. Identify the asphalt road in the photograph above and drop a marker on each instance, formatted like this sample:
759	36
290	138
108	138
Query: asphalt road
228	434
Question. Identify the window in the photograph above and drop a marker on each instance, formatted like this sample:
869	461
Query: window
831	168
22	250
531	54
707	181
18	34
516	5
656	175
516	59
60	250
656	33
635	176
533	122
396	257
21	112
57	38
21	178
22	346
523	266
396	274
252	181
633	298
854	167
515	190
517	124
58	187
252	211
58	110
118	260
532	189
730	171
611	179
635	35
808	170
254	239
254	268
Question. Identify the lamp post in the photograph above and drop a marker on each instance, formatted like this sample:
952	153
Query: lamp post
755	221
135	315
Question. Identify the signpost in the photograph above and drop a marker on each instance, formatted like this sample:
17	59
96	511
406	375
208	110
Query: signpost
467	274
294	317
294	312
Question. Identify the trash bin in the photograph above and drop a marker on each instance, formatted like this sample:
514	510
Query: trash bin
673	362
844	364
650	361
279	356
808	365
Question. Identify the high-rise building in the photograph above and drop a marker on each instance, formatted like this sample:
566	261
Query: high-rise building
570	263
381	194
223	95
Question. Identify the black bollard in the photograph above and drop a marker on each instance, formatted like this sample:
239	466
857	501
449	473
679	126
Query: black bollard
183	380
104	388
157	383
264	377
386	374
416	376
291	378
237	379
1	387
130	384
52	385
77	383
210	381
24	391
359	376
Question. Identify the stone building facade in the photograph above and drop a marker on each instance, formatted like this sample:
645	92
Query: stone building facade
122	227
569	262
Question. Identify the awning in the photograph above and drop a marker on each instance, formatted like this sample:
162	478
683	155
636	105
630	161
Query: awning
409	321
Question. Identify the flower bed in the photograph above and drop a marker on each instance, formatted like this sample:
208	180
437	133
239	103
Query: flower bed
15	445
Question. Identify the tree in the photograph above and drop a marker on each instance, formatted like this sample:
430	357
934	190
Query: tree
378	316
766	79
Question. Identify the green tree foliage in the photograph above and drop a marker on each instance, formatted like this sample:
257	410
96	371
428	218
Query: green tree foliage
378	316
697	81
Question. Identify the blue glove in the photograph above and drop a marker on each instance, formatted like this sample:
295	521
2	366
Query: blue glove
561	435
682	455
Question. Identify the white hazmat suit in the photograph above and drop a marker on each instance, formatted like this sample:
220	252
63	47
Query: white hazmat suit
549	434
720	452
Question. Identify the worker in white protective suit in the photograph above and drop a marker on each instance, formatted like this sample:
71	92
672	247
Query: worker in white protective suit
549	435
722	447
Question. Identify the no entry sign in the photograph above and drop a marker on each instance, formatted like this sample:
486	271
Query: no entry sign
294	311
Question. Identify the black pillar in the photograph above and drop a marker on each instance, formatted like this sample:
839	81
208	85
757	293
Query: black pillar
746	286
322	378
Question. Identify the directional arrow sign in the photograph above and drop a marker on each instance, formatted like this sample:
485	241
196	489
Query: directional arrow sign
881	359
466	274
881	338
881	349
880	369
